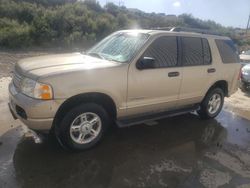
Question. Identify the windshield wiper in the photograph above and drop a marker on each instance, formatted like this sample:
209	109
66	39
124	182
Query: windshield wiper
94	54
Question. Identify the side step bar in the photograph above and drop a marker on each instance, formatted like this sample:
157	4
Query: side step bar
129	121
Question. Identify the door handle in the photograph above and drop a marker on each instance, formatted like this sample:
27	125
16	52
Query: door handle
173	74
211	70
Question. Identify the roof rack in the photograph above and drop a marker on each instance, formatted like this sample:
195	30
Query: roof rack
186	29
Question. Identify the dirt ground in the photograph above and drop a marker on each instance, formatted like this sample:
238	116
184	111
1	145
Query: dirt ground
239	103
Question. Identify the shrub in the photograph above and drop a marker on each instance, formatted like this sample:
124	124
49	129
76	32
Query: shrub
13	34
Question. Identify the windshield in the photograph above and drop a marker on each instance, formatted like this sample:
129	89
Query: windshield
120	47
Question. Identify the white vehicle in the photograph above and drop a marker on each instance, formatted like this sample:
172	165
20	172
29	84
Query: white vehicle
245	56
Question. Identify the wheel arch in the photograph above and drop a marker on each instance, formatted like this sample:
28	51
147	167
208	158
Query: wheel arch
98	98
222	84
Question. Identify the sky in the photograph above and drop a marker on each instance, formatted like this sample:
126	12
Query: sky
226	12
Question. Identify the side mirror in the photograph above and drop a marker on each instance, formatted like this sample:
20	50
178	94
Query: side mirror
146	63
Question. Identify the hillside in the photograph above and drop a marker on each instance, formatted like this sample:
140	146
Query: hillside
71	23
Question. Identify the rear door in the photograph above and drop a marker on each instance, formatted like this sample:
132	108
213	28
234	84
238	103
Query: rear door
155	89
198	69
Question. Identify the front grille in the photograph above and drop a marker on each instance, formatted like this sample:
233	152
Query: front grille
17	78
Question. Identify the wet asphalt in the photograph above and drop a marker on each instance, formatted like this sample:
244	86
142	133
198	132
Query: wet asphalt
181	151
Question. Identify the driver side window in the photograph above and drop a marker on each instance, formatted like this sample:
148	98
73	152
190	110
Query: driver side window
164	51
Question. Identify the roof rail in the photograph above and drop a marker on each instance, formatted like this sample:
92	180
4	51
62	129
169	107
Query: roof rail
187	29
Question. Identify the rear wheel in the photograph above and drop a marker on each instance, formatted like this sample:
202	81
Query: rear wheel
212	104
83	126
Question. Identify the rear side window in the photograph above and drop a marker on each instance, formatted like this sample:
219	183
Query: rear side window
195	51
228	51
164	51
206	52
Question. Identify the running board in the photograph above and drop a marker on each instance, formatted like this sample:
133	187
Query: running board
129	121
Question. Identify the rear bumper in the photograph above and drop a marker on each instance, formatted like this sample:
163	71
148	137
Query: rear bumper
36	114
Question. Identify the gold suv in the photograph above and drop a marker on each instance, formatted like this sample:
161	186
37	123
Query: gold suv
129	77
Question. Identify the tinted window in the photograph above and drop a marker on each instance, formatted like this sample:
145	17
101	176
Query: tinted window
192	51
206	52
164	51
228	51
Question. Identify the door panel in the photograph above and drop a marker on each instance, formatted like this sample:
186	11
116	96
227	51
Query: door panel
152	90
156	89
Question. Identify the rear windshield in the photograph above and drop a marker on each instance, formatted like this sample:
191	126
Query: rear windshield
228	51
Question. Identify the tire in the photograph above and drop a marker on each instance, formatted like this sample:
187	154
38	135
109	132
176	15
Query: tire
83	126
208	107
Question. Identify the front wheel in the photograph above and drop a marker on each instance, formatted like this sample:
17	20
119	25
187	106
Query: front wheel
212	104
83	126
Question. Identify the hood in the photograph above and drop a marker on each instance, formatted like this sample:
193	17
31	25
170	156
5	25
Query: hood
49	64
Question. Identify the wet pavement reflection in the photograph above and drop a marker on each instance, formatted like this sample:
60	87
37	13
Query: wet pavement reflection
181	151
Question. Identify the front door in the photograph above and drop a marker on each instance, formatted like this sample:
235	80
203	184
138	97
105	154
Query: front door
155	89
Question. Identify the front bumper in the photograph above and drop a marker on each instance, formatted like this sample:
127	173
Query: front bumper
36	114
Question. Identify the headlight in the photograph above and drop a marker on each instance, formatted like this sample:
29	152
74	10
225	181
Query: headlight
36	90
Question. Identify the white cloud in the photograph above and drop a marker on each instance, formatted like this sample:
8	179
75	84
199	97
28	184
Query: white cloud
177	4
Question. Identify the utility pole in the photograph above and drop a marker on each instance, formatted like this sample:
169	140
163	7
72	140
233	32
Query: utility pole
248	24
